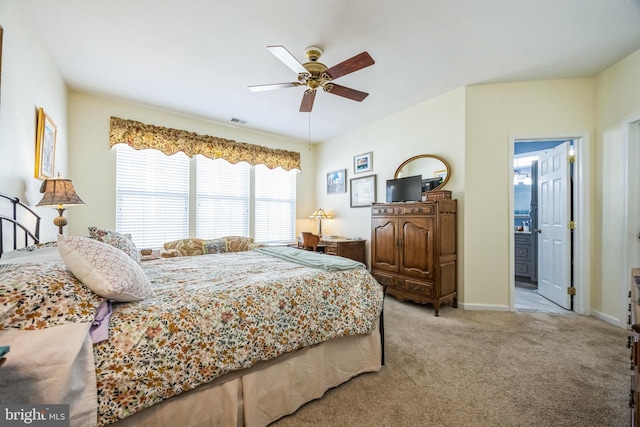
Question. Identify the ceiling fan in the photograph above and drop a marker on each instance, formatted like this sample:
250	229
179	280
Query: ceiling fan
314	75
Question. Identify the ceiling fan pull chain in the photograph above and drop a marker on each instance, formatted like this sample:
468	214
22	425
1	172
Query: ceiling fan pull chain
309	145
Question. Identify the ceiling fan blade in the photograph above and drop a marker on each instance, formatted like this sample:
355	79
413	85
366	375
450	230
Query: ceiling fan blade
307	101
289	60
346	92
261	88
355	63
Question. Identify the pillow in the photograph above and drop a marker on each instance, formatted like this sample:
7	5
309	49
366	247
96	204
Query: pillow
107	271
240	243
187	247
117	240
170	253
215	246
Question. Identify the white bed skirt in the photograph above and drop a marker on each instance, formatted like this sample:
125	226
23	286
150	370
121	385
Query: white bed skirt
268	391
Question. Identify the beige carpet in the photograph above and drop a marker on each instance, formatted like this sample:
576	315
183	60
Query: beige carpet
473	368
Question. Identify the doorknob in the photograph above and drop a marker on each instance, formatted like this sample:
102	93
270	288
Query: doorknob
537	230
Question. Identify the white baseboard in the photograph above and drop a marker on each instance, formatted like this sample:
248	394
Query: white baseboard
484	307
622	323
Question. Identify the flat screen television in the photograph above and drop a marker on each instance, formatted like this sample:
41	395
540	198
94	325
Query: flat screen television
406	189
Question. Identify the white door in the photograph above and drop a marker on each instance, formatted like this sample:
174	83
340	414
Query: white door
554	235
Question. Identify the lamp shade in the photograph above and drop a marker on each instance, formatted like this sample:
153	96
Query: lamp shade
320	214
59	192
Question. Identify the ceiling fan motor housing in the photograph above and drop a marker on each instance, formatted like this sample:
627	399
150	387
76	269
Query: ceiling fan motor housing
317	76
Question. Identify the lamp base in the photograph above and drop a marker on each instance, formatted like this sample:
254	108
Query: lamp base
60	221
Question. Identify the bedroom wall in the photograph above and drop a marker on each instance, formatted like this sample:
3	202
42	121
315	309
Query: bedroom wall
30	79
93	163
618	91
432	127
495	113
471	127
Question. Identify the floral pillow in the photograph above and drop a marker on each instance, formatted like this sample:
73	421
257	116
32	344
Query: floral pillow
186	247
107	271
240	243
42	295
117	240
170	253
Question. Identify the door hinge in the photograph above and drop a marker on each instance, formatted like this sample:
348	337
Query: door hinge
571	225
571	291
571	158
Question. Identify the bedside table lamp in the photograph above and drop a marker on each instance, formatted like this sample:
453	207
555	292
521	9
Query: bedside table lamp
59	192
320	214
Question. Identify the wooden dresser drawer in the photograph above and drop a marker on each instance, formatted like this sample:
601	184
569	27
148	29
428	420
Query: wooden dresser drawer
417	287
420	210
404	209
413	286
331	249
384	279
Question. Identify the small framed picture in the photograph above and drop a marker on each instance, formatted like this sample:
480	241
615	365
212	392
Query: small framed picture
337	182
45	146
363	191
363	162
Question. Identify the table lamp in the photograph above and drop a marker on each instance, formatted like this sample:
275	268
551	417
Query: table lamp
320	214
59	192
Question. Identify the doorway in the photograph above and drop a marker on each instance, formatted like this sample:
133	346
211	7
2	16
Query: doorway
526	230
631	231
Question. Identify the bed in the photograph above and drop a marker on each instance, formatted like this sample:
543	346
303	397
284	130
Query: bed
225	339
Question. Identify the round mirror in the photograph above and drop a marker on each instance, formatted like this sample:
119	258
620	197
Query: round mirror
435	171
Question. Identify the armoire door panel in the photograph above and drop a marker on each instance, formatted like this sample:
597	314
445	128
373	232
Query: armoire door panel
417	247
384	245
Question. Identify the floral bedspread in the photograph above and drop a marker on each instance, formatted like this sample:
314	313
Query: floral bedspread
214	314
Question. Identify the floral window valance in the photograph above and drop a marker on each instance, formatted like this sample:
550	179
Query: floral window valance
170	141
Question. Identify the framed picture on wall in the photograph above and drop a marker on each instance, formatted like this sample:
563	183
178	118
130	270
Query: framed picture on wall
363	191
45	146
337	182
363	162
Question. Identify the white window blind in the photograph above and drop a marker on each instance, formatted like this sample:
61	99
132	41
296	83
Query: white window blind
275	204
152	195
222	198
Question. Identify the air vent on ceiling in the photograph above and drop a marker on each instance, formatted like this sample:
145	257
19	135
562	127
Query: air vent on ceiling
242	122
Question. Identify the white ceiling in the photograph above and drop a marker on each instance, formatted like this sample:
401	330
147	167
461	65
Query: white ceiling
198	56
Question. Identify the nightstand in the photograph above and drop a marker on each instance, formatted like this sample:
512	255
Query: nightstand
348	248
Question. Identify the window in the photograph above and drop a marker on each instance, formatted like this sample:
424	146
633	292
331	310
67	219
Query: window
153	198
151	204
222	198
275	200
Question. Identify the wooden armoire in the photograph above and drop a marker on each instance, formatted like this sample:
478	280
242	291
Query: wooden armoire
413	250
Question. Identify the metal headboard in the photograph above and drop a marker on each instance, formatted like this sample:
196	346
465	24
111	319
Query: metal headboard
17	227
